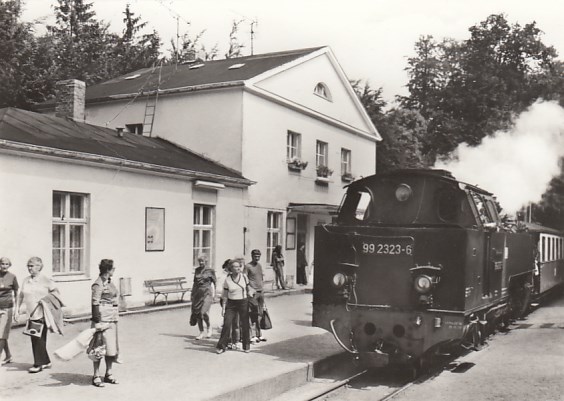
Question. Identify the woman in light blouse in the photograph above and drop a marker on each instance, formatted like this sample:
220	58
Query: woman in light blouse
34	288
236	291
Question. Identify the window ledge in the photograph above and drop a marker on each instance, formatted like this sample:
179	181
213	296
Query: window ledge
67	278
347	178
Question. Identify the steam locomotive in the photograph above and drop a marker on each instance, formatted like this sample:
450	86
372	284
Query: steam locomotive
417	261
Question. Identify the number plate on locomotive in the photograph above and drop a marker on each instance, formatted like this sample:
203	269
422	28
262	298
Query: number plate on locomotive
393	246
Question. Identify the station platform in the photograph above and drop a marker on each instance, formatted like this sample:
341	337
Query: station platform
162	360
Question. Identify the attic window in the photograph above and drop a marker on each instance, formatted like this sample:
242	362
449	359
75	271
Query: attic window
323	91
195	66
236	66
133	76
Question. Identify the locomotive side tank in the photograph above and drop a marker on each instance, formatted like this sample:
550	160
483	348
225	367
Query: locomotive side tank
416	260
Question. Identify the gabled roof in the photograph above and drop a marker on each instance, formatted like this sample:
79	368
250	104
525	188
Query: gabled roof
26	131
213	73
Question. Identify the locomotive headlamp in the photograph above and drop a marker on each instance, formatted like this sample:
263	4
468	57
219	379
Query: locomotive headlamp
339	280
403	192
423	284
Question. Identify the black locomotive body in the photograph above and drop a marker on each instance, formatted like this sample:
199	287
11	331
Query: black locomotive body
416	260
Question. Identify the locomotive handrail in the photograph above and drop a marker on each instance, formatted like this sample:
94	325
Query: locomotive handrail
348	264
339	340
426	267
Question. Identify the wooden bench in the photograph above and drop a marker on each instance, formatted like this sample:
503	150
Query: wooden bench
165	286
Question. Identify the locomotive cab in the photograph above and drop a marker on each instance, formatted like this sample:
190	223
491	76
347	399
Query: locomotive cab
412	259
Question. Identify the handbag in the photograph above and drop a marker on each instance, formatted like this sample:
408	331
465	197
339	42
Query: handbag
34	328
97	348
265	322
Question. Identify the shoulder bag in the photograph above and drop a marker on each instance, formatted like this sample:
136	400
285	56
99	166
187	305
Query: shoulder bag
34	328
265	322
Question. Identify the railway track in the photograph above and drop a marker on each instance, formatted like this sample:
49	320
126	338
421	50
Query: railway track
385	382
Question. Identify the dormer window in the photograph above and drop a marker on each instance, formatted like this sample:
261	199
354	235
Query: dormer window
323	91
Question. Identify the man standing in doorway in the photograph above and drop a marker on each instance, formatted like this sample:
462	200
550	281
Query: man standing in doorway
253	270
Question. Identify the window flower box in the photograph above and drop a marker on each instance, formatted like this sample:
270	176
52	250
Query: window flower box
347	177
296	164
322	180
323	171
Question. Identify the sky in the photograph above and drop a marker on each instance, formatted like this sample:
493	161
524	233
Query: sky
372	39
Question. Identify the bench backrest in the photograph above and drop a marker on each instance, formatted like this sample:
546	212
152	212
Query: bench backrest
176	282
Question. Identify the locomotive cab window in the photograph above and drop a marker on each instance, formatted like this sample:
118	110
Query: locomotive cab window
481	208
362	207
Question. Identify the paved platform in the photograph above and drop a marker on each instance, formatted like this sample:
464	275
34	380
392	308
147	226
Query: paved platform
164	361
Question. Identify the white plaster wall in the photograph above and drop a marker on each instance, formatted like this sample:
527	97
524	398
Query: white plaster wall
297	84
117	222
206	122
264	155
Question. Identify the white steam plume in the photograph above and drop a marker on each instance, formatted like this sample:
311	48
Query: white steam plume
515	165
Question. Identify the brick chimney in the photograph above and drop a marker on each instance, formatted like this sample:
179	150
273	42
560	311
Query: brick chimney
70	99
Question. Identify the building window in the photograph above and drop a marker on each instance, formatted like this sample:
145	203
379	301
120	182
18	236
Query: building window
322	90
273	232
69	232
293	146
135	128
321	154
203	233
345	162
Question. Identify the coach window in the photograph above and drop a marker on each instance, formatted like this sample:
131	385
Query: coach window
543	249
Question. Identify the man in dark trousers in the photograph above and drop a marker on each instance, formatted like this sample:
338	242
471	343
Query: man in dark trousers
253	270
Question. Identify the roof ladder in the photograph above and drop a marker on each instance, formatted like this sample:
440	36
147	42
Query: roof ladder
151	107
150	110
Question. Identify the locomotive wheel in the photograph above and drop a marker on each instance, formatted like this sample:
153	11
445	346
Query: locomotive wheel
419	366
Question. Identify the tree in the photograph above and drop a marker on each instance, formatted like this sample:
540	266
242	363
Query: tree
235	47
25	68
82	45
401	130
133	51
467	90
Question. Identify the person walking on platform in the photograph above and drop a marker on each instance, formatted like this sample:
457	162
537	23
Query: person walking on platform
277	263
8	293
236	291
235	335
203	292
254	272
301	275
44	308
105	315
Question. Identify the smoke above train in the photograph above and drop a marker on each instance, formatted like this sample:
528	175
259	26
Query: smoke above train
517	164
